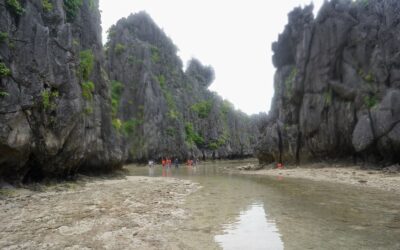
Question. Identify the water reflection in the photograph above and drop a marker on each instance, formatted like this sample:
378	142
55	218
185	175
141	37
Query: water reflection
309	215
252	230
151	171
166	172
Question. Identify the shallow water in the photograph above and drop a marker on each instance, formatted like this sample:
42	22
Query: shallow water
252	230
258	212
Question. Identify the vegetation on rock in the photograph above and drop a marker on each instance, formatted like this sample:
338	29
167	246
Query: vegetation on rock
3	37
192	137
15	6
47	6
4	70
4	93
202	108
48	99
87	90
116	92
71	8
119	49
86	63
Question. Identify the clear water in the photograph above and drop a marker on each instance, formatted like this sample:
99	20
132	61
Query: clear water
252	230
258	212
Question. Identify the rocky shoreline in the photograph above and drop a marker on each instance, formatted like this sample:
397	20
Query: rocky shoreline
116	213
387	179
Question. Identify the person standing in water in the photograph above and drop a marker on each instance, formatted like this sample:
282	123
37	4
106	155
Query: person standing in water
168	163
176	162
163	162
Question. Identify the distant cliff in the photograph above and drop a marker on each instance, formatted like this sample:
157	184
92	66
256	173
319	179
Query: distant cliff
337	85
55	112
162	111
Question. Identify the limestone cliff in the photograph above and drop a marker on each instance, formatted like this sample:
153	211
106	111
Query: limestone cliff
60	113
159	109
55	112
337	85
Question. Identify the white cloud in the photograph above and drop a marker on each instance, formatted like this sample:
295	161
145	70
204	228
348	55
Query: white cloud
234	37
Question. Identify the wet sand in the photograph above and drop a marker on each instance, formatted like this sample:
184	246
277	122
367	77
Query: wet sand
352	175
125	213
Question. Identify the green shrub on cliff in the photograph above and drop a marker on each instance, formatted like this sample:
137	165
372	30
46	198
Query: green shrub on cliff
88	110
223	138
48	99
213	146
47	6
119	49
117	124
4	93
87	90
3	37
129	126
226	107
15	7
155	54
126	128
116	92
86	63
161	81
71	8
369	78
173	114
192	136
202	108
4	70
93	4
370	101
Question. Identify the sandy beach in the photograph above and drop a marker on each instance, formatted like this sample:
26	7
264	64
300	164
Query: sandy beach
125	213
336	173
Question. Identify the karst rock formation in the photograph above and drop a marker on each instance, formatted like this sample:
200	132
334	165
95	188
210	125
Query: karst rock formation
163	111
68	104
337	85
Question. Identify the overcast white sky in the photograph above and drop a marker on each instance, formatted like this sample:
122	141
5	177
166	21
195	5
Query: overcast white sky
234	37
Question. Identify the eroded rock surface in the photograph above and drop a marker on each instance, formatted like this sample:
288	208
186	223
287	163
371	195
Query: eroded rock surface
336	85
55	112
161	110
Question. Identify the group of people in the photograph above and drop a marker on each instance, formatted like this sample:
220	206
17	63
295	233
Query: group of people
167	162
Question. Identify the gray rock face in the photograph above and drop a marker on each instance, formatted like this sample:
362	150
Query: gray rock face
162	111
60	113
55	112
336	85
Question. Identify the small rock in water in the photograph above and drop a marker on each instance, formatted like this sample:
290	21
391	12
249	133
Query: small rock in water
247	167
